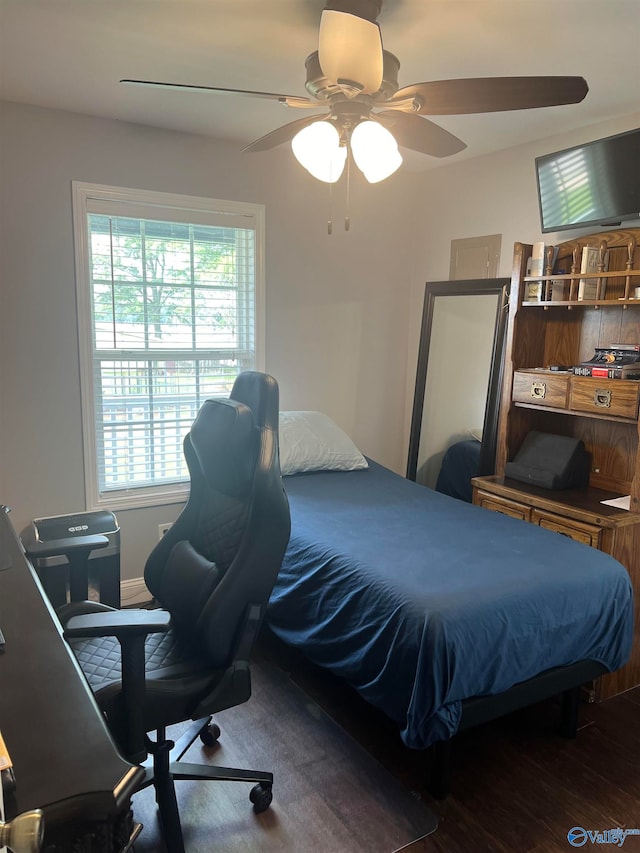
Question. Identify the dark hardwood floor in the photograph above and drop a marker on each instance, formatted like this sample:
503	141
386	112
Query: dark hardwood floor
516	784
330	795
351	787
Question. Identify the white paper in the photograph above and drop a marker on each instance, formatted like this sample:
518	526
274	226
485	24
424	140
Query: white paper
621	503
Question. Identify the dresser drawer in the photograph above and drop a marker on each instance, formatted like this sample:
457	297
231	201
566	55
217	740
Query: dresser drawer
542	389
498	504
617	397
587	533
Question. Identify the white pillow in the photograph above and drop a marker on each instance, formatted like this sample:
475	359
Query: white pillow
311	441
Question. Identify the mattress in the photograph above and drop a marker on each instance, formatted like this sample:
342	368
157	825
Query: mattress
420	601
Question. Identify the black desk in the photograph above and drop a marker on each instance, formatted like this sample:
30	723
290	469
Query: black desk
64	759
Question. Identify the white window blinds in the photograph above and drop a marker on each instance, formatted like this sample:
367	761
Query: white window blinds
171	306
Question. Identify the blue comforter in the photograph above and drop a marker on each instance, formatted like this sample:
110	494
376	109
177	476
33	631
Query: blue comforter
419	600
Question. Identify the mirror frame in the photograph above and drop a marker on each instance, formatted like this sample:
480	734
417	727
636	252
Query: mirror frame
465	287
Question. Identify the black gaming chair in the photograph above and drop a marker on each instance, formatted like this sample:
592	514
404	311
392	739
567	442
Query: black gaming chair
213	573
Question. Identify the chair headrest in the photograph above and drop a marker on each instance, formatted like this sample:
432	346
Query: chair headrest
225	442
259	392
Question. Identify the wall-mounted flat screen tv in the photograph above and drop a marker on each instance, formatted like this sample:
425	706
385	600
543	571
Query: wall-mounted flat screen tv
597	183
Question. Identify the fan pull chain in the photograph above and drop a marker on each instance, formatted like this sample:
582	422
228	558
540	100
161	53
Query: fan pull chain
347	219
330	220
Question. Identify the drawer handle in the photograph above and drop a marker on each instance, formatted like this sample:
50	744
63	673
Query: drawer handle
538	389
602	398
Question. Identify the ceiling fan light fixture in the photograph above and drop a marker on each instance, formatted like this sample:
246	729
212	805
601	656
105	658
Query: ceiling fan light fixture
317	148
350	52
375	151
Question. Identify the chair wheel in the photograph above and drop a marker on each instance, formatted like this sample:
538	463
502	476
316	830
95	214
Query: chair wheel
210	734
261	797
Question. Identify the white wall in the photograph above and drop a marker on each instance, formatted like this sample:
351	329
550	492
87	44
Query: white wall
493	194
343	312
337	305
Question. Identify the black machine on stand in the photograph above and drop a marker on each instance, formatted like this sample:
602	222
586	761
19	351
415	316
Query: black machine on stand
72	553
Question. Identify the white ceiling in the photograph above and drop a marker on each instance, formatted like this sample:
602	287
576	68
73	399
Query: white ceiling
70	55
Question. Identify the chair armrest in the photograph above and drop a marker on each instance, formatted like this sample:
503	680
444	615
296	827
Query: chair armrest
130	628
81	608
56	547
122	624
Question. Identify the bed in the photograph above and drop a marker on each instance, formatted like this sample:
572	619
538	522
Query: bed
428	605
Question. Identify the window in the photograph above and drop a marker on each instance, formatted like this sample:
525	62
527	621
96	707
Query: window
170	310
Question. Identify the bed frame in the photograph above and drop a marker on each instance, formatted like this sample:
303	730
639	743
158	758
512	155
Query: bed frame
565	681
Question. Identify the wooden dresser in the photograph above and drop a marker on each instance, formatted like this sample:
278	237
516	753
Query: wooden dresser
602	412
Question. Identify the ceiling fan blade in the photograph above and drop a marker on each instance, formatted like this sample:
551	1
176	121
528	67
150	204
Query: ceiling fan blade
282	134
420	134
288	100
492	94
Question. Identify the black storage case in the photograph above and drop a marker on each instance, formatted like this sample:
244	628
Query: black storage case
551	462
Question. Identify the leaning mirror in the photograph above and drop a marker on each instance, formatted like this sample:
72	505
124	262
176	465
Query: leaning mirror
458	377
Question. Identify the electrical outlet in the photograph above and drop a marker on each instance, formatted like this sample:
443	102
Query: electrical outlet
162	529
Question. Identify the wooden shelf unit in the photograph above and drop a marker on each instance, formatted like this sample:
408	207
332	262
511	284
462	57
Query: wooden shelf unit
602	412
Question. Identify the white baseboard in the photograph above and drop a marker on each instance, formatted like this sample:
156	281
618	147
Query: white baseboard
134	591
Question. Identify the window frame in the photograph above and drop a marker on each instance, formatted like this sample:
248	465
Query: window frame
168	206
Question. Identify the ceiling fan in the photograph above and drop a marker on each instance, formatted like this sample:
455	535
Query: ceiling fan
357	80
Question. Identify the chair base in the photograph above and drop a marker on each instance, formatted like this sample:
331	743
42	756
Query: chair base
164	767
